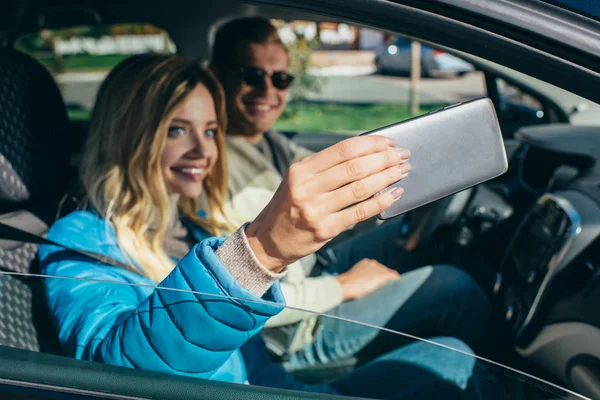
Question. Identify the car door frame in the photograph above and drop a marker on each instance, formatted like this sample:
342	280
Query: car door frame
489	36
531	37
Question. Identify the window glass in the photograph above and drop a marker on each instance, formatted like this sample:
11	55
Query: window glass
403	364
512	94
590	8
353	79
79	58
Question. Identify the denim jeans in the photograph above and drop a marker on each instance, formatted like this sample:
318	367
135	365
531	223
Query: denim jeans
432	301
419	370
426	302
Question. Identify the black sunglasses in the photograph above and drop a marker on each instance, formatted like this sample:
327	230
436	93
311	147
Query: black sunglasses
255	77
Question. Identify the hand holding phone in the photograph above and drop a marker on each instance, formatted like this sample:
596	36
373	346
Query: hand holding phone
452	149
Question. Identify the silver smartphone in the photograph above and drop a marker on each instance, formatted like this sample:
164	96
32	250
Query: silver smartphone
453	148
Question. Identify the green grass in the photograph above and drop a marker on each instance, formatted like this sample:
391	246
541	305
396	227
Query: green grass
344	118
83	62
78	115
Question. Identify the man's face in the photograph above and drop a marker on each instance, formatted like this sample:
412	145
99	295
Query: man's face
253	109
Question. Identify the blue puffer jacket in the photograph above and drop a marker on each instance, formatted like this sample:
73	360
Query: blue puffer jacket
140	326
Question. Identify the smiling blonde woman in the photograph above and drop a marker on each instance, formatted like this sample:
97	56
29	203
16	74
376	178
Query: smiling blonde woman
155	144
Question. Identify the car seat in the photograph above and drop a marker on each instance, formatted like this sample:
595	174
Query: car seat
35	149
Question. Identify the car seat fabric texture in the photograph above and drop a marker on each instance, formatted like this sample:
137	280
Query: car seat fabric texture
34	170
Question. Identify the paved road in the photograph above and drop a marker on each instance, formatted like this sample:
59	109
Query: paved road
374	88
81	89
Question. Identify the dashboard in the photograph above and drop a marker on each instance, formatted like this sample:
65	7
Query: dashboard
537	253
538	226
548	281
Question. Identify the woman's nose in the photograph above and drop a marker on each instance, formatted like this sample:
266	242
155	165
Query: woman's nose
197	145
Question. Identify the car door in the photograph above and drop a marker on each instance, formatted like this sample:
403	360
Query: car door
462	22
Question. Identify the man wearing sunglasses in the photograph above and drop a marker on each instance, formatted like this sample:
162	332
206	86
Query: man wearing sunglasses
252	64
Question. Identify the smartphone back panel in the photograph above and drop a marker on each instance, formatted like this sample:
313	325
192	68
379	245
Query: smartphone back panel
452	149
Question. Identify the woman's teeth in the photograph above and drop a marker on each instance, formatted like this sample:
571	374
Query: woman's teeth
262	107
191	171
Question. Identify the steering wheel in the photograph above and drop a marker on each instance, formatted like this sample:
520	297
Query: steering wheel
424	221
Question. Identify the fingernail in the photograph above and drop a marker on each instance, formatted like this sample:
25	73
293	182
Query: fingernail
405	168
404	153
391	142
397	193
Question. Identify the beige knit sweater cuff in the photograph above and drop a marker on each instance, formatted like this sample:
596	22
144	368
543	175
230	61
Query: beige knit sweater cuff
237	256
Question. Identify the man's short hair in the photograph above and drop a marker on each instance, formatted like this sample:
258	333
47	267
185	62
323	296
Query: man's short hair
231	39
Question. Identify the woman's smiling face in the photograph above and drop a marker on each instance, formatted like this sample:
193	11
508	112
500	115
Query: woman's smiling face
191	150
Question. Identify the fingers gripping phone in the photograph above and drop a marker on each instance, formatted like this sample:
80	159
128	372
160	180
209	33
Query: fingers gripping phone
452	149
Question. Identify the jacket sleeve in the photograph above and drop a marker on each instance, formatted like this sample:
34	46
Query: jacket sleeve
117	320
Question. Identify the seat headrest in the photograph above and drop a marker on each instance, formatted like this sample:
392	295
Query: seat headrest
35	146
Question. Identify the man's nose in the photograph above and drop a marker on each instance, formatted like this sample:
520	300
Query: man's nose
267	83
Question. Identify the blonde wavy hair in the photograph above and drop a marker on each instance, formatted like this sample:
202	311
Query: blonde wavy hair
120	169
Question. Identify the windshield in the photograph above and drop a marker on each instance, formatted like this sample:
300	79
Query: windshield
301	357
590	8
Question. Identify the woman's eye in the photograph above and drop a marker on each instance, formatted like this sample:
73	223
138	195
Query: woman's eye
176	131
210	133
